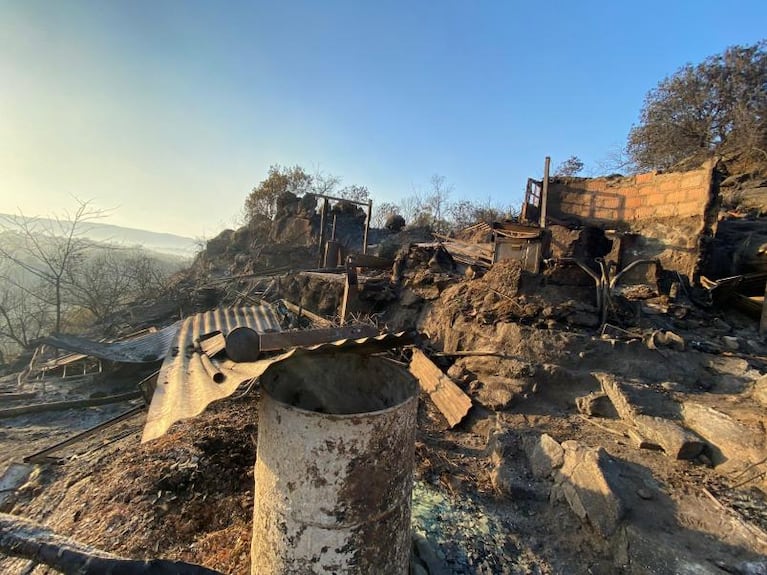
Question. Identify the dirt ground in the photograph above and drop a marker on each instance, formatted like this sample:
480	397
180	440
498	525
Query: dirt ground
484	499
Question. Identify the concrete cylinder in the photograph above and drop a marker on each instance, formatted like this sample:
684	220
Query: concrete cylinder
334	467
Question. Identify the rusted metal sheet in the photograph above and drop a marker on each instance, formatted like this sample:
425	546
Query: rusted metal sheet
527	252
185	387
333	474
453	403
146	348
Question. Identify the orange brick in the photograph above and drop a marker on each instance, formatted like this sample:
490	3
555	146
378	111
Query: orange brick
633	202
596	185
605	214
656	200
700	195
644	178
608	201
669	184
690	209
692	181
676	197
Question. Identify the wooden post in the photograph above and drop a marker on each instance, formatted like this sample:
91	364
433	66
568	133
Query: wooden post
545	191
763	323
321	249
348	304
367	227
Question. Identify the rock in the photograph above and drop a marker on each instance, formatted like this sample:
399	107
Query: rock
457	372
496	398
409	298
545	456
644	493
730	342
728	438
587	481
583	319
759	390
499	392
595	404
507	482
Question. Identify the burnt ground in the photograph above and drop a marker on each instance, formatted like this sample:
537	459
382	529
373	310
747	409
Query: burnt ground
484	500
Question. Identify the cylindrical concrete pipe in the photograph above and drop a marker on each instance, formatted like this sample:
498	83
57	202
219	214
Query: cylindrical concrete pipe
334	468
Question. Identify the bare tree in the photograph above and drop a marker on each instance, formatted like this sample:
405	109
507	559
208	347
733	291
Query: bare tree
23	318
381	213
572	166
50	250
413	209
113	278
437	201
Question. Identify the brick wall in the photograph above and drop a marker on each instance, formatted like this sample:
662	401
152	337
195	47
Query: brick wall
667	214
611	202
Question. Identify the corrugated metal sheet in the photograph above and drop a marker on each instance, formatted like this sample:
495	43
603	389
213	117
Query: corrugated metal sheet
143	349
185	388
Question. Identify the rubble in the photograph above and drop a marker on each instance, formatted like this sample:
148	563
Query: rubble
591	397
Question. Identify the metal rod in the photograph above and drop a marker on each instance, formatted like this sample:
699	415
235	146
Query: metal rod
82	435
337	199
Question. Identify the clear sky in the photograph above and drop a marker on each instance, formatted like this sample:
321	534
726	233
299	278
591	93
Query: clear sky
171	111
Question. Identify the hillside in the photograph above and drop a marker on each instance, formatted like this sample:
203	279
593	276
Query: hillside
152	241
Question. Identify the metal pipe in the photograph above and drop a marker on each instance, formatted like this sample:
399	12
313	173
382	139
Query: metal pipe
215	374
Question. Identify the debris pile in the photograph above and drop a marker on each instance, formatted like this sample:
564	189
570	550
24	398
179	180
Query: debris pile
591	399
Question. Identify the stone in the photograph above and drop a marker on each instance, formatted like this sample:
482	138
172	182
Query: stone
587	481
595	404
545	456
498	392
508	483
457	372
583	319
759	390
730	342
409	298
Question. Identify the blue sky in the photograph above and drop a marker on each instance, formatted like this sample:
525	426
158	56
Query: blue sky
171	111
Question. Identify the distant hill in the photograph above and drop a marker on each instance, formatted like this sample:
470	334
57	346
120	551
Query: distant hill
154	241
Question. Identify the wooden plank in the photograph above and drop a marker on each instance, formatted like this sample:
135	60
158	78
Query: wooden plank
451	401
212	343
299	311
